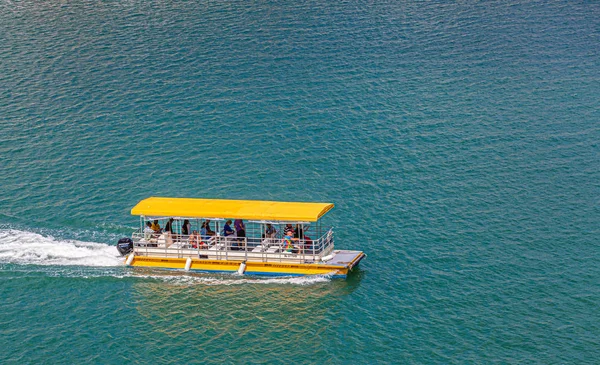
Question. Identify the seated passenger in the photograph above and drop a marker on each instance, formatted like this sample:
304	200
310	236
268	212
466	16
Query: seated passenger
227	231
156	227
148	231
288	242
169	226
169	234
209	232
196	240
270	231
185	227
204	232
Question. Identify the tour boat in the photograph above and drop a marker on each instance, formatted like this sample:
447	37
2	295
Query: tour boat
236	236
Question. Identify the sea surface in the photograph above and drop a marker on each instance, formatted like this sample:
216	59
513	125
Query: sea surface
459	141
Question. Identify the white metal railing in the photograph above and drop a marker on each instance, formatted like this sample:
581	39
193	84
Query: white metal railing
233	248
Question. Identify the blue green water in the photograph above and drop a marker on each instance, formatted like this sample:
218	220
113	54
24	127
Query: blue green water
459	142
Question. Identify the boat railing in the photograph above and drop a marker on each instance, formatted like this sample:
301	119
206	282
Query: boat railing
276	249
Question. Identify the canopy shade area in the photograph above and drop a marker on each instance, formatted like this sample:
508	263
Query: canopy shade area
241	209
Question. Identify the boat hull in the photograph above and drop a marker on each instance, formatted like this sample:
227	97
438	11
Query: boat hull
338	270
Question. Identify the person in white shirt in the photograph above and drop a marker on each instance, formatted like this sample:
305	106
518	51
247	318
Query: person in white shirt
148	231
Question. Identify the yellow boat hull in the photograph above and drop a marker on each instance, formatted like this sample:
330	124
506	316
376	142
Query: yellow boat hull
252	267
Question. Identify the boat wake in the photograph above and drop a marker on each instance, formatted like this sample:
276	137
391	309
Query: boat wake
21	247
73	258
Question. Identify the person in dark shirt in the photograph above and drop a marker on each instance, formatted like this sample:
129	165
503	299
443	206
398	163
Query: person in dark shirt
227	231
240	228
169	232
209	232
270	231
305	241
288	227
240	231
169	226
185	228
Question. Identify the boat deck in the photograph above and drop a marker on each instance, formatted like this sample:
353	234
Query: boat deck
344	257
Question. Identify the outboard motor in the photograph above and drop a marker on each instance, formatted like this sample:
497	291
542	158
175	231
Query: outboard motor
125	246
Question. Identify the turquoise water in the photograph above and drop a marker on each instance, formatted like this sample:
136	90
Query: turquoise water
459	142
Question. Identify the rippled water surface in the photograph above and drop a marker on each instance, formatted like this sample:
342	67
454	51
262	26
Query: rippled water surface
459	142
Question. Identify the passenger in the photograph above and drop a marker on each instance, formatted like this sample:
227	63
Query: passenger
169	232
148	231
288	241
156	227
204	232
169	226
288	227
209	232
240	230
195	240
227	231
270	231
185	228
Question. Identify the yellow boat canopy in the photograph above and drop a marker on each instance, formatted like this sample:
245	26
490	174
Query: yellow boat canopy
221	208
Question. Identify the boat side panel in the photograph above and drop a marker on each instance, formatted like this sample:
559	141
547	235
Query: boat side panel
255	268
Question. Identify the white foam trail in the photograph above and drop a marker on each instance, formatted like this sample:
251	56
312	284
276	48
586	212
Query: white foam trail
28	248
22	247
